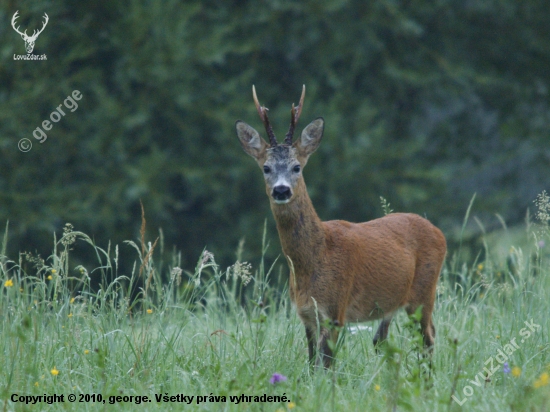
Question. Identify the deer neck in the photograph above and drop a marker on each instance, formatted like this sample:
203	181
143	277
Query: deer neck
300	231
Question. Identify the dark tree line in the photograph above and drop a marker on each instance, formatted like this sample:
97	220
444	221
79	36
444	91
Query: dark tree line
425	103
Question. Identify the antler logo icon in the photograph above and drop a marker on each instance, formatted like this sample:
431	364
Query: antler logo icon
29	40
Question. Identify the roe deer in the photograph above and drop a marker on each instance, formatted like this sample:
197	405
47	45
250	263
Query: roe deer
341	271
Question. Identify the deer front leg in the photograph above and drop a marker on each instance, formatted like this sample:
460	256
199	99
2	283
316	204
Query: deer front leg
310	336
327	342
318	347
325	352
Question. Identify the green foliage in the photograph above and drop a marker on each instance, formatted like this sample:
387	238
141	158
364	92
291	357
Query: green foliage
424	104
385	206
206	332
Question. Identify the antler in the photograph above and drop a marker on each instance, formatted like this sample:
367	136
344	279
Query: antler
13	24
294	116
35	32
262	111
46	20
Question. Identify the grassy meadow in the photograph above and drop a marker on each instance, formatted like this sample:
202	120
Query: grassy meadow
161	331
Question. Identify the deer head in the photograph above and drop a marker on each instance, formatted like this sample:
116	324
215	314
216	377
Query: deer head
282	164
29	40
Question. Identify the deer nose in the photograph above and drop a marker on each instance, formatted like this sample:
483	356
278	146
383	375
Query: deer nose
281	193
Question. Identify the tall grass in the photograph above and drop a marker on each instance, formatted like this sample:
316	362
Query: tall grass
224	332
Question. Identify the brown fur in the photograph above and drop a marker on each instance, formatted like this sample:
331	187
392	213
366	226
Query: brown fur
340	271
355	272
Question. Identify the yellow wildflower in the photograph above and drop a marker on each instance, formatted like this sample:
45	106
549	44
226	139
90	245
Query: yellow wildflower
149	311
291	405
54	271
49	277
543	380
70	315
72	300
86	351
516	371
36	384
54	371
8	283
480	266
376	387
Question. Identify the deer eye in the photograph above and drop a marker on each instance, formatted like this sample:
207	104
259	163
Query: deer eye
267	169
296	169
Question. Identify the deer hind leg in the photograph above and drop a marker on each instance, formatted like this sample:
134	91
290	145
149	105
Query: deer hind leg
423	294
427	327
382	332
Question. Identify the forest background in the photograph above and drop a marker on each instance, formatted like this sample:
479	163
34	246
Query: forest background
425	103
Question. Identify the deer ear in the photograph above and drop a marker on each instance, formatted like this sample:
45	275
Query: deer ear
251	141
311	137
